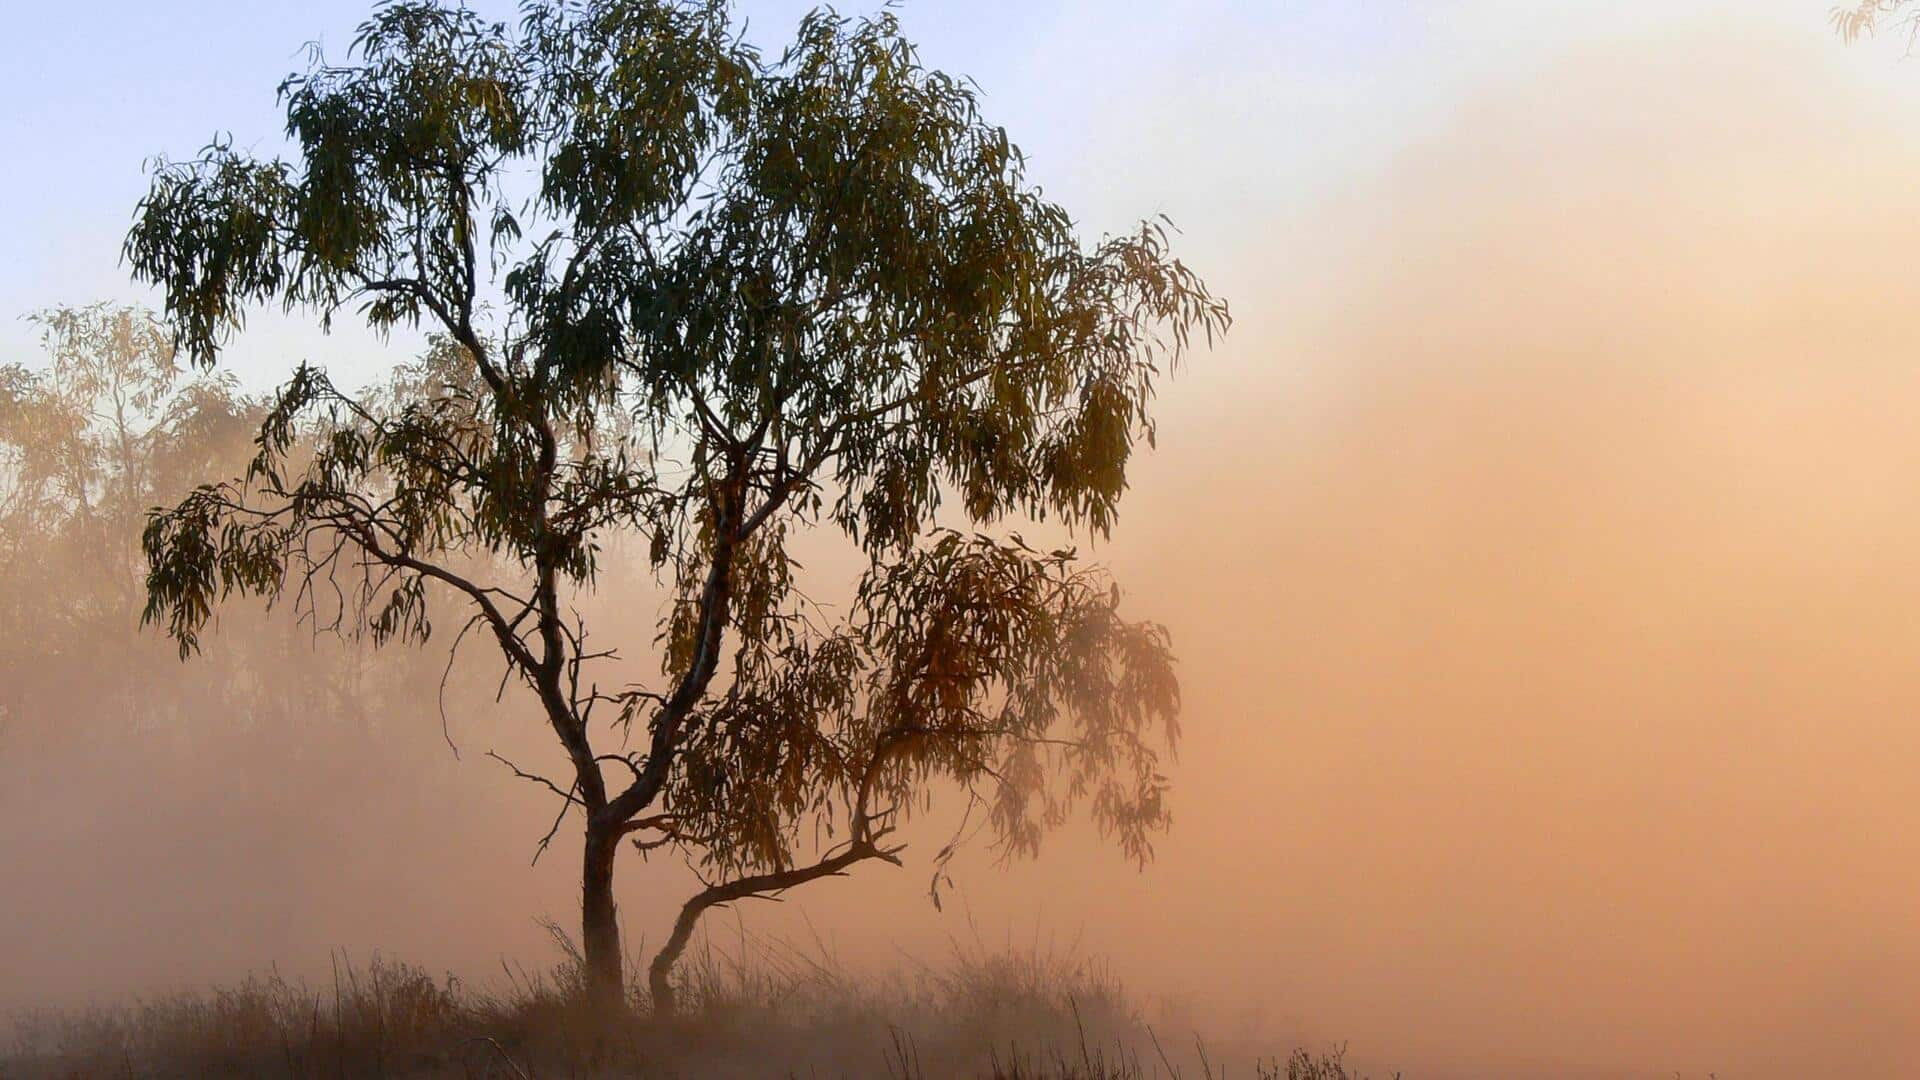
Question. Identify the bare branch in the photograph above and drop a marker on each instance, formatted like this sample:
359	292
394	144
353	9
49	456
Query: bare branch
537	778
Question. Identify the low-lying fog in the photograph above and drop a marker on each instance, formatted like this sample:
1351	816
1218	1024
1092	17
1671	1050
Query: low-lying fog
1542	551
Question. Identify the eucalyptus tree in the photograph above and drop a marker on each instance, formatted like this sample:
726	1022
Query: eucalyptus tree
1861	17
708	297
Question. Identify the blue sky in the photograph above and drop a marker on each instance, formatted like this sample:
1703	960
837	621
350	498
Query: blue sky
1210	111
1238	118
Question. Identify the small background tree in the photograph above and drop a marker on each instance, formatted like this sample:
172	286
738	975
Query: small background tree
115	761
110	424
708	298
89	441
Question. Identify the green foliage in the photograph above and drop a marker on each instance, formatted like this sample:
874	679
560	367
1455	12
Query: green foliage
705	297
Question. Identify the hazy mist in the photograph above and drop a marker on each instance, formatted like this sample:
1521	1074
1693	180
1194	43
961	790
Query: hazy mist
1543	555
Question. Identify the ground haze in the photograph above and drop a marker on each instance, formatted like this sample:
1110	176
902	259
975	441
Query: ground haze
1540	554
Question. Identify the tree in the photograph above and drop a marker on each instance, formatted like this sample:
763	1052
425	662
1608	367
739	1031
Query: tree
1864	17
109	425
707	298
88	443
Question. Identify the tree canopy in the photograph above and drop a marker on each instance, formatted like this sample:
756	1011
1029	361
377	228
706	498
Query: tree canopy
689	292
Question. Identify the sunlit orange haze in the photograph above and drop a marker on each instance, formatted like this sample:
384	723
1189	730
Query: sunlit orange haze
1542	550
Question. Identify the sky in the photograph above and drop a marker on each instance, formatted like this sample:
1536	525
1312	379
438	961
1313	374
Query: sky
1539	547
1089	89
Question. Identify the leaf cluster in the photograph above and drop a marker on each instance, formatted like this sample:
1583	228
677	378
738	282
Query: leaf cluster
1005	672
1864	18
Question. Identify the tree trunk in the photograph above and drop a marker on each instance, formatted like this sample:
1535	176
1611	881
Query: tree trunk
660	979
599	922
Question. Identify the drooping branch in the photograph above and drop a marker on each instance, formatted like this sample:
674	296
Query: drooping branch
758	886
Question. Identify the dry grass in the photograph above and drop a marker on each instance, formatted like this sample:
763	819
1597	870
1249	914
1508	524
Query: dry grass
754	1010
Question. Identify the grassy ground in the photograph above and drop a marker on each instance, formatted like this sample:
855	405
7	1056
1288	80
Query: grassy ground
767	1011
